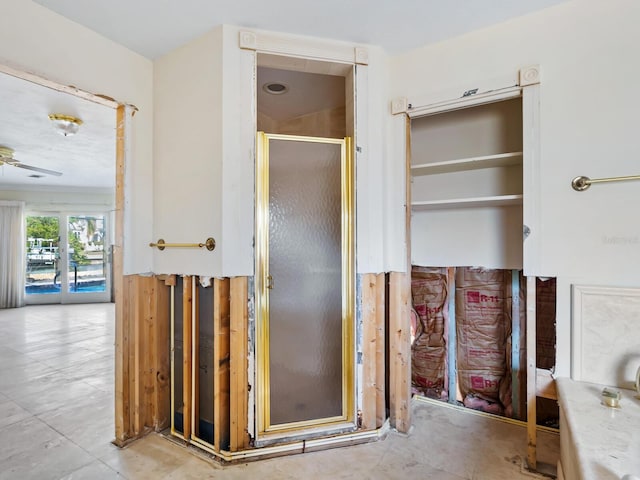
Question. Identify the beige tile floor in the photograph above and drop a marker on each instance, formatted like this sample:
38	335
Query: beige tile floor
56	421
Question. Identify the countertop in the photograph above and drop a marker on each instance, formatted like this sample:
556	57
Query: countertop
606	440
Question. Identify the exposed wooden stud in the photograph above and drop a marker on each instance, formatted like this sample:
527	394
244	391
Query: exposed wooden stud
381	407
452	334
221	350
515	344
169	280
369	339
160	354
400	352
187	300
531	373
121	327
239	438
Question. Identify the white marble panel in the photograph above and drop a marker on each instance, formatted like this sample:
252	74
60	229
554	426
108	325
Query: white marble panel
606	335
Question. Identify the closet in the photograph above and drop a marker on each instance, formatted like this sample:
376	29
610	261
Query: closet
473	185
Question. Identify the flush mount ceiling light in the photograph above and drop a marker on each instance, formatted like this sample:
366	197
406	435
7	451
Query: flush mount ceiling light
275	88
65	124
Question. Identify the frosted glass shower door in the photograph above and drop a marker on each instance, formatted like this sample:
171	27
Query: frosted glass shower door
306	282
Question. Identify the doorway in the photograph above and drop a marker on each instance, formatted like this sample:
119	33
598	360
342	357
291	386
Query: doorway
304	282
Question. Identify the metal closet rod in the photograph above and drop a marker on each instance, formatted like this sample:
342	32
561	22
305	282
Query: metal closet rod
582	183
209	243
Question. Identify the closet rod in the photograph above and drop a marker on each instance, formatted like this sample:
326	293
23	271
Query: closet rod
582	183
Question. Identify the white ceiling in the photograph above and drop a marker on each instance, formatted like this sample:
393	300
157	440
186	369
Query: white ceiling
86	160
153	28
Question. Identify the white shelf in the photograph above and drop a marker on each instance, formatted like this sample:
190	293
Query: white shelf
495	201
473	163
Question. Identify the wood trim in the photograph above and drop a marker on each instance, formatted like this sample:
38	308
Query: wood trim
399	352
121	326
187	300
369	350
221	372
381	407
239	438
531	373
70	89
399	318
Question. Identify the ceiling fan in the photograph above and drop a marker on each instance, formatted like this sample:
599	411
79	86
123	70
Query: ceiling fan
6	157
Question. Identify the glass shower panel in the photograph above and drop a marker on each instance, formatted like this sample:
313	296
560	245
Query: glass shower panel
305	268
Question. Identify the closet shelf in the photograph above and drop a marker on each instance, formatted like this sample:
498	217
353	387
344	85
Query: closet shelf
475	202
473	163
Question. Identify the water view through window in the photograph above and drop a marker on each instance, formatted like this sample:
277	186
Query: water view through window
79	262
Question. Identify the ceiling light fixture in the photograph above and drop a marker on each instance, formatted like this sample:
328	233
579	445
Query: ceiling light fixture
275	88
65	124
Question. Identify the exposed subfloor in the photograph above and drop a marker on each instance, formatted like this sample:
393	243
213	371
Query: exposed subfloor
56	421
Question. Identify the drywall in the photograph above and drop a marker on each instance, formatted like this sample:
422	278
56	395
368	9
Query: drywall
36	40
587	51
188	155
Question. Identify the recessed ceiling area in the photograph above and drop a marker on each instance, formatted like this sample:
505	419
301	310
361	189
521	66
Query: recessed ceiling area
153	28
306	93
86	160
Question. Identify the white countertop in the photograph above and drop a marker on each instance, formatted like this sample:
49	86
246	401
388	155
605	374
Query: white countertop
606	440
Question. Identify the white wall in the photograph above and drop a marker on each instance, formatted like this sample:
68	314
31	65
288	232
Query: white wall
205	164
70	200
36	40
188	155
588	52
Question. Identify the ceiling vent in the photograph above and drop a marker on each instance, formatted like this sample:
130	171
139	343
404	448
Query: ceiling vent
275	88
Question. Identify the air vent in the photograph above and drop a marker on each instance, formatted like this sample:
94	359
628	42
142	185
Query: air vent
36	176
275	88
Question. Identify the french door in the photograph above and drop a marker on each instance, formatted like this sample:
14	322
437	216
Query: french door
67	259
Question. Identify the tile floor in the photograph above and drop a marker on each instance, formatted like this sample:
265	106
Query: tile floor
56	421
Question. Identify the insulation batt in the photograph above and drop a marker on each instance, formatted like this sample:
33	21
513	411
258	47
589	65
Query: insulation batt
428	351
483	326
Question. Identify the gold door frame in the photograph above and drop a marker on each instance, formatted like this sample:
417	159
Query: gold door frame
263	395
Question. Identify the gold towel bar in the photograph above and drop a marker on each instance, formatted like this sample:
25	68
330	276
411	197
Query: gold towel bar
582	183
210	244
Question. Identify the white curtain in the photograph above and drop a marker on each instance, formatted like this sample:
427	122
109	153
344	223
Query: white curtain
12	254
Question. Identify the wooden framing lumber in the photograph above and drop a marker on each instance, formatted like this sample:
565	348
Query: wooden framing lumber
121	327
531	373
381	407
160	355
187	300
239	382
221	372
369	339
400	352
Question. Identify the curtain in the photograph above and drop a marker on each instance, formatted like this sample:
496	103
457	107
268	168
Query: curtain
12	254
